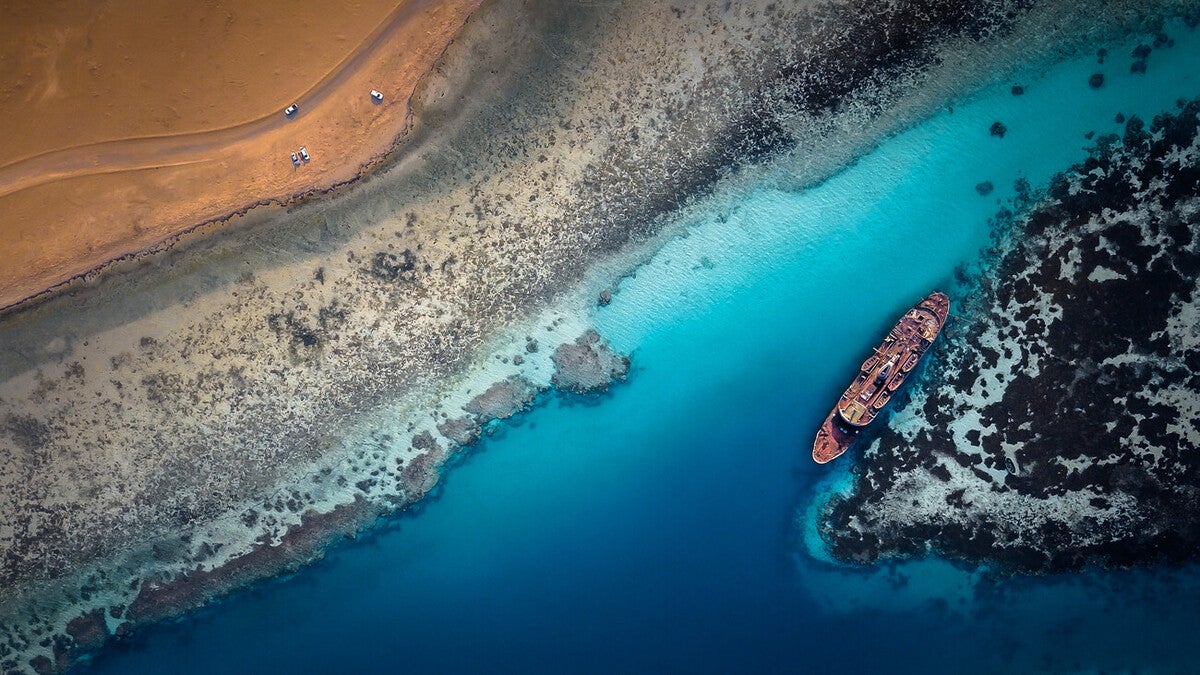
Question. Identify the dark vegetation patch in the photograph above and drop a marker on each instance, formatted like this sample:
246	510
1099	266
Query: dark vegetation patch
303	334
393	267
296	331
28	432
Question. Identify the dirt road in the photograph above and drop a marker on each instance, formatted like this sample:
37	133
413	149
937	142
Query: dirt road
67	211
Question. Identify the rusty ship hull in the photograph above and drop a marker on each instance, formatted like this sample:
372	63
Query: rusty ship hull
881	376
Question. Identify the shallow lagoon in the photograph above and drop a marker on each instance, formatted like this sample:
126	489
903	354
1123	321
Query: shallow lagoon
654	529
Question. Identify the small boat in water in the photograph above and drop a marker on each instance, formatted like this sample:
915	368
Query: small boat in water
880	376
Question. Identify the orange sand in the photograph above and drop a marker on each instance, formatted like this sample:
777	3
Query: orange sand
126	127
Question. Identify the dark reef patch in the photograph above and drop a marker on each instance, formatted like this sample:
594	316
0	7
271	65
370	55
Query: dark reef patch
294	330
1061	418
502	400
463	430
885	39
587	365
160	598
29	433
392	267
421	472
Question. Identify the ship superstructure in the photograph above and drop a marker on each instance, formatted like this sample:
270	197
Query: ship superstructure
881	375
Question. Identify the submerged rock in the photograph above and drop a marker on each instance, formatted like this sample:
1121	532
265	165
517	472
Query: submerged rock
1096	80
420	473
503	399
587	365
88	630
463	430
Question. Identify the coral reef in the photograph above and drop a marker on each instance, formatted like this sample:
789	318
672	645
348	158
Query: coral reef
1058	427
587	365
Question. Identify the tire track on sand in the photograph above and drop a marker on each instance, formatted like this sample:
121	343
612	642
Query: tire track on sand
130	154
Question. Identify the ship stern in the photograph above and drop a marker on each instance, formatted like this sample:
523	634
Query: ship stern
832	440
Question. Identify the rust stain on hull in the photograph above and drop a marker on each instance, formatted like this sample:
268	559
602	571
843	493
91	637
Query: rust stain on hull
880	376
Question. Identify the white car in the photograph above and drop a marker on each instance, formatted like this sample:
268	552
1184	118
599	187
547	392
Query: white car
295	160
377	96
290	110
304	153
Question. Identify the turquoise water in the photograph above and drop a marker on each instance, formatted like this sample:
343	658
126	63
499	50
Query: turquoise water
654	530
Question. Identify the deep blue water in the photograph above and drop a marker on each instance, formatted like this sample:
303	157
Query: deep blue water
655	529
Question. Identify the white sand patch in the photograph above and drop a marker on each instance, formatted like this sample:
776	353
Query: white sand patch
1070	265
1183	325
1187	404
921	500
1102	273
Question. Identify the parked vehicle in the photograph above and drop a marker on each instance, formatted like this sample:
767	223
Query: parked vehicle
295	160
290	110
304	153
377	96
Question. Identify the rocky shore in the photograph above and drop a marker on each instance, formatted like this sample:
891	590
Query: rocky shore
219	413
1058	426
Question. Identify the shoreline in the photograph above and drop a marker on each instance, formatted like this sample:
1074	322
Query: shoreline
260	209
381	147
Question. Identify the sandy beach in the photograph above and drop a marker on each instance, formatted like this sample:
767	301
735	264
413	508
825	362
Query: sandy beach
128	130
